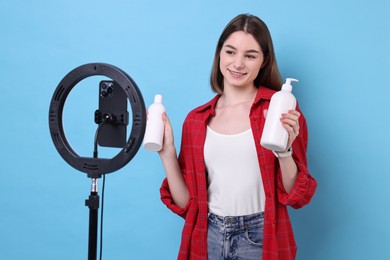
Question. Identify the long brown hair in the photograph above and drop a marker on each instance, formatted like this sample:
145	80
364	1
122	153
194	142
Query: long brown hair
269	75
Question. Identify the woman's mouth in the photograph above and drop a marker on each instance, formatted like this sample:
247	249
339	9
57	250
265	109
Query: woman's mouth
236	74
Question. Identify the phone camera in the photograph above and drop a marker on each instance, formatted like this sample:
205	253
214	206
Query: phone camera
106	89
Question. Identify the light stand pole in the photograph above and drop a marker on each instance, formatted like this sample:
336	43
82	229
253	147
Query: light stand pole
93	203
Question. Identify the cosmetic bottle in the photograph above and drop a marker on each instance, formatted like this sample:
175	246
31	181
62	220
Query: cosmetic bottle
275	136
154	133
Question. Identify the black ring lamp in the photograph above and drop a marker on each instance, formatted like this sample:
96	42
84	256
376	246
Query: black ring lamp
95	167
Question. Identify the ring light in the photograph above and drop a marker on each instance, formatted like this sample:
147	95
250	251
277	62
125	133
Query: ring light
95	167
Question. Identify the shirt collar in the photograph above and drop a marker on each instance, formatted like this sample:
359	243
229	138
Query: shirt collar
262	93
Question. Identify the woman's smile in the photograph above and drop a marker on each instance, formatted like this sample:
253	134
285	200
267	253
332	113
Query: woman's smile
236	74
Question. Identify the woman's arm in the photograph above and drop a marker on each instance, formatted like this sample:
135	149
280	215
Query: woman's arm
177	185
288	167
296	186
289	171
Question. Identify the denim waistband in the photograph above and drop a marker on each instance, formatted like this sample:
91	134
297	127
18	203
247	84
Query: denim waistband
237	222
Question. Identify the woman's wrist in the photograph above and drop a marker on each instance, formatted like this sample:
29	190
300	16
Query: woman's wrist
168	151
283	154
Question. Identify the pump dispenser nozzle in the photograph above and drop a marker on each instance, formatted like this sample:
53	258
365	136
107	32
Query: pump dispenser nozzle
287	86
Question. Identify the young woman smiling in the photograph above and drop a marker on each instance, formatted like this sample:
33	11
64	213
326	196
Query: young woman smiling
231	191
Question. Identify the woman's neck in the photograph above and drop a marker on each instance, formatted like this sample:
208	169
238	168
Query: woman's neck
236	96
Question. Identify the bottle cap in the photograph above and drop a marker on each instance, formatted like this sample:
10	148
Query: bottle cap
287	86
158	98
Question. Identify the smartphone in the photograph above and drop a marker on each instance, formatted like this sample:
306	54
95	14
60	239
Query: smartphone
113	102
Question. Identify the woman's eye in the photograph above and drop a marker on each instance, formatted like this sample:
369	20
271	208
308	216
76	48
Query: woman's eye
230	52
251	57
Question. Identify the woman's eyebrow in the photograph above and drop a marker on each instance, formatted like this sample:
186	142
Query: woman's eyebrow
248	51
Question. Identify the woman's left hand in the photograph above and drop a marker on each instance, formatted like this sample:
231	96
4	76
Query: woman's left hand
290	122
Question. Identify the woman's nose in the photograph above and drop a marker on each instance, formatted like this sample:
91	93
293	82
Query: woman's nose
239	63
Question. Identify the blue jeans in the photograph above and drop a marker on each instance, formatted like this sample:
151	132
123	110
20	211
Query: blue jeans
235	237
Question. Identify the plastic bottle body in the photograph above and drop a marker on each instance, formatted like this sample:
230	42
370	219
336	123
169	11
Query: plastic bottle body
275	136
154	132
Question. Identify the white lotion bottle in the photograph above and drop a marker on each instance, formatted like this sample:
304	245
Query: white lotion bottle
275	136
154	133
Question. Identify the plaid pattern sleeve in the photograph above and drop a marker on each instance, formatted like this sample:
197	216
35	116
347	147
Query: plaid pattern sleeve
305	185
166	196
191	160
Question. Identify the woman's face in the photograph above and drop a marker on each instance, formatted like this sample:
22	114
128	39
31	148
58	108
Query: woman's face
240	60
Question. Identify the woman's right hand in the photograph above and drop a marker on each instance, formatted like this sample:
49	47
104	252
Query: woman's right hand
168	139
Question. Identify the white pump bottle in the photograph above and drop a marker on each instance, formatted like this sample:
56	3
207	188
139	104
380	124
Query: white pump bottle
275	136
154	133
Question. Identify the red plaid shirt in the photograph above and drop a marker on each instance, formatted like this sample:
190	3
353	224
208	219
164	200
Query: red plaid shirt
279	242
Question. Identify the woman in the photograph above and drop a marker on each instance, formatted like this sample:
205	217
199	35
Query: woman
231	191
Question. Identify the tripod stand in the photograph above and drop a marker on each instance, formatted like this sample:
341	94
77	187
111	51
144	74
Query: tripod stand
96	167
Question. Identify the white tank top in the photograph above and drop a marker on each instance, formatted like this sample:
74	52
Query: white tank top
234	182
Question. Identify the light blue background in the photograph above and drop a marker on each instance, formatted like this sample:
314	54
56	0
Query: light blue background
339	50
